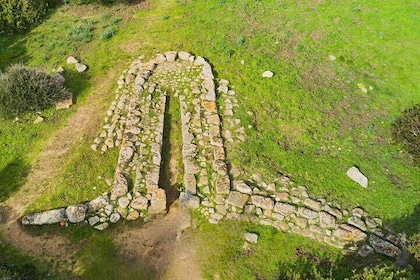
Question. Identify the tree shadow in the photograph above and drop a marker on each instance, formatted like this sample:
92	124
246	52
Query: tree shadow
12	177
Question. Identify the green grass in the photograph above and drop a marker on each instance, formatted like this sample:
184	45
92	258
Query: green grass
276	256
312	121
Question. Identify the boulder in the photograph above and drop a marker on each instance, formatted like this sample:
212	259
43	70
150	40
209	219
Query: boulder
223	185
365	250
46	217
357	222
102	226
123	202
97	203
184	55
171	55
242	187
76	213
354	174
326	220
251	237
134	215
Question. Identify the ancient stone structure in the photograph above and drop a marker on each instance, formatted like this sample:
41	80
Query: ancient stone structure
135	123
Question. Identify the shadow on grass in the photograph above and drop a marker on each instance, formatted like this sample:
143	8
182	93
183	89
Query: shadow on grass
12	177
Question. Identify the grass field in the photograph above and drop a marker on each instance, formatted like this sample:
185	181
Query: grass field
312	121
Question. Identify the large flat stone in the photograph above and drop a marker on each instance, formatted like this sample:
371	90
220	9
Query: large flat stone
284	209
46	217
357	176
383	247
262	202
237	199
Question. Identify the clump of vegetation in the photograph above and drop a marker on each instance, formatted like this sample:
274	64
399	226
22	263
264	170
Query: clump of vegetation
108	33
23	90
105	2
407	130
18	15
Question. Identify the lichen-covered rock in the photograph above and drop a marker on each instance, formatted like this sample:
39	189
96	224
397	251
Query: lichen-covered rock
139	203
251	237
158	202
120	186
237	199
98	203
326	220
76	213
383	247
284	209
46	217
262	202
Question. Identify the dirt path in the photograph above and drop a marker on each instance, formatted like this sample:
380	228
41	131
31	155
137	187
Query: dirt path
159	243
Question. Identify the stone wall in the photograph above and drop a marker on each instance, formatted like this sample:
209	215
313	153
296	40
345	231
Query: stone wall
135	123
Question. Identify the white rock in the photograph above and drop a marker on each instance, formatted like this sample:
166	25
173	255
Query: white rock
123	202
251	237
39	119
93	220
76	213
267	74
47	217
354	174
80	67
332	57
72	60
101	226
115	217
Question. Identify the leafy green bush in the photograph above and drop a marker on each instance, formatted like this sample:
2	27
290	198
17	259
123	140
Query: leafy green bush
23	89
407	130
18	15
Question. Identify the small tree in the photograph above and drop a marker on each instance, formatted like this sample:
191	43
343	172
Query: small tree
407	130
23	90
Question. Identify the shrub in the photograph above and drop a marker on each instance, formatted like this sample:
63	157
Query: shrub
19	15
407	130
23	89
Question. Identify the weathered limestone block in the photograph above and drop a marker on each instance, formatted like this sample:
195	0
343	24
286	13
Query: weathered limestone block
282	226
365	250
326	220
184	55
123	202
333	211
262	202
76	213
307	213
357	176
220	167
46	217
190	166
383	247
190	183
158	202
93	220
115	217
281	196
223	185
237	199
314	205
251	237
349	233
242	187
120	187
357	222
171	56
284	209
139	203
125	156
98	203
301	222
133	215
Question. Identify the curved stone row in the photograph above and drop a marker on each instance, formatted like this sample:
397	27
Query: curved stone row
135	123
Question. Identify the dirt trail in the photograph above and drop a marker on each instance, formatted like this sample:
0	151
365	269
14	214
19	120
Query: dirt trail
159	243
